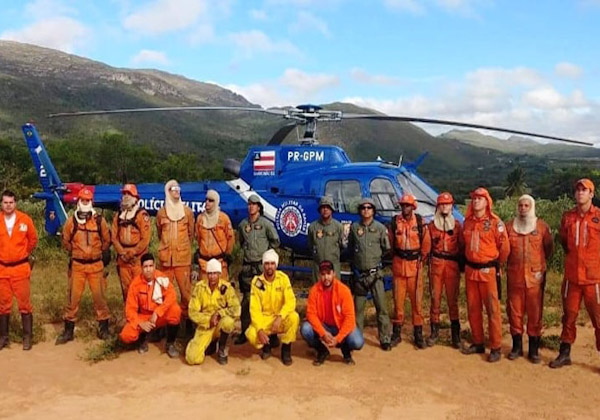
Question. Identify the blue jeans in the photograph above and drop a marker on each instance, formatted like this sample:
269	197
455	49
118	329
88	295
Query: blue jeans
354	340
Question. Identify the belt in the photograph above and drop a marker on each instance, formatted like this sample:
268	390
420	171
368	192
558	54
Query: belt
218	257
409	255
479	266
14	263
449	257
81	261
128	246
370	271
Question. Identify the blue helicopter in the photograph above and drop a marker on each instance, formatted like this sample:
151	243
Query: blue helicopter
289	179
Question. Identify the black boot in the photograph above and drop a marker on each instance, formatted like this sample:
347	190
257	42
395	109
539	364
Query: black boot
435	333
274	341
494	356
170	348
474	349
286	354
143	343
190	329
211	349
517	348
67	334
418	334
396	335
27	320
4	319
322	354
534	346
223	351
455	328
103	333
240	339
265	352
563	358
347	354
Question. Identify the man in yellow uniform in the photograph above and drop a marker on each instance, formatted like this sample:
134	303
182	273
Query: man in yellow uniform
272	309
214	307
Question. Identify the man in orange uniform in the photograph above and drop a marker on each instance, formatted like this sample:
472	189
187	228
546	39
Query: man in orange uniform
18	239
130	236
151	303
531	245
444	270
580	238
214	234
486	249
175	227
85	236
411	244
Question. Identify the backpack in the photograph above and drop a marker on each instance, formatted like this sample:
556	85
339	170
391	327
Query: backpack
419	229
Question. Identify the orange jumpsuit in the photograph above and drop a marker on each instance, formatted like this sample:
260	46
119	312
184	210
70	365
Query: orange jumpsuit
407	267
139	307
216	242
85	244
526	276
175	251
444	270
580	236
130	238
15	271
485	241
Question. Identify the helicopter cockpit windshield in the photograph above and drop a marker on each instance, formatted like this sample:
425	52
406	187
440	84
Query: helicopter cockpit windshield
346	195
425	195
384	195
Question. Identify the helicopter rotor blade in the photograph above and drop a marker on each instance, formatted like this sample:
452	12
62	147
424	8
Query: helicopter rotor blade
460	124
281	134
165	109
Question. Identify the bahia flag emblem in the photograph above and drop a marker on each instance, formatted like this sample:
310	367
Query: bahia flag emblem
264	162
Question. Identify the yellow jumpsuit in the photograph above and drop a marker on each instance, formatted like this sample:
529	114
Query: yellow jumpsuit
203	304
269	300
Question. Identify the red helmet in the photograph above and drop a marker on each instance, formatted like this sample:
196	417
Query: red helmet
445	198
408	199
130	189
85	194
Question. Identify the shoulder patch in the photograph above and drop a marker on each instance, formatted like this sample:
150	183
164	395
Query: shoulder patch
595	220
223	289
500	227
260	284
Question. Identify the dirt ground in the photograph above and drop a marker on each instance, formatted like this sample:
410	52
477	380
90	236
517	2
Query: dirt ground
53	382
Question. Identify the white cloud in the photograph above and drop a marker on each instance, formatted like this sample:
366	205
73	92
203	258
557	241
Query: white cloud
411	6
466	8
163	16
308	84
61	33
306	22
44	9
202	34
254	42
150	57
568	70
361	76
258	14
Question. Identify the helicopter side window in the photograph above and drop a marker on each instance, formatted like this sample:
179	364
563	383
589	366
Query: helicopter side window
425	195
346	195
384	195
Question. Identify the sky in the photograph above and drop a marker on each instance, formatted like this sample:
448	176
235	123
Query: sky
522	64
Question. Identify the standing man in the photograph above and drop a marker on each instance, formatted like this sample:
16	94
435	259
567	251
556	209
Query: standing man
486	249
444	269
18	239
151	303
411	245
330	320
130	236
256	235
175	227
272	310
580	238
368	242
531	245
325	238
214	234
85	236
214	308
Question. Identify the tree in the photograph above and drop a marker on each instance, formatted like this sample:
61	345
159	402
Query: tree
515	181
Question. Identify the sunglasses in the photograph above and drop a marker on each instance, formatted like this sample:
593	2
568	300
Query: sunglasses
175	188
210	199
367	207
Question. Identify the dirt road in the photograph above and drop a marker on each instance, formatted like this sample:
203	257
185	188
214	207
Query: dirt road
53	382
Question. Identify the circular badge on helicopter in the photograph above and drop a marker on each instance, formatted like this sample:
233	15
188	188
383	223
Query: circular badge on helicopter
291	218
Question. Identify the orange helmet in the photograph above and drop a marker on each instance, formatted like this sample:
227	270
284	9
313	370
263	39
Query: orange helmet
587	183
85	194
480	192
130	189
408	199
445	198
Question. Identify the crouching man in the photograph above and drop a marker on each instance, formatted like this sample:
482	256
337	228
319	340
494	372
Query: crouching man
214	308
151	303
272	310
330	317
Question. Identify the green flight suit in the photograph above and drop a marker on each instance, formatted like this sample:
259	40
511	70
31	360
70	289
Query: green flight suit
325	242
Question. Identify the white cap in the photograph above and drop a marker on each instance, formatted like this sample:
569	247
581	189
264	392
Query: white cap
213	266
270	256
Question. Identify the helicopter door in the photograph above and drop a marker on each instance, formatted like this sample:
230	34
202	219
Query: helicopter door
345	194
384	195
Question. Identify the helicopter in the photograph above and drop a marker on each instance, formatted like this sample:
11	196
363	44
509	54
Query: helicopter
289	179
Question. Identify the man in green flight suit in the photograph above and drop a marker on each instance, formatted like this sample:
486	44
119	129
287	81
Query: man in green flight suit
256	235
325	238
368	242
